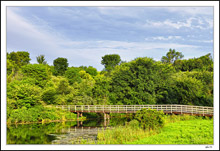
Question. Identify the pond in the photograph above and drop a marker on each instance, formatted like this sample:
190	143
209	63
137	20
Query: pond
69	132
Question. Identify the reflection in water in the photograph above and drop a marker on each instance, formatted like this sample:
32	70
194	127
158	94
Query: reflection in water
69	132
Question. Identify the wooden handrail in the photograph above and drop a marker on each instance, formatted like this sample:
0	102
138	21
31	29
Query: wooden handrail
169	108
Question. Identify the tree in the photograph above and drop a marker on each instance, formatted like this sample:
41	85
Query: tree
37	72
60	66
171	56
101	89
110	61
20	57
136	82
72	74
23	93
91	70
203	63
41	59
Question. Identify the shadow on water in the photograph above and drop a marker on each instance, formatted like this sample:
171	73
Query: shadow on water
68	132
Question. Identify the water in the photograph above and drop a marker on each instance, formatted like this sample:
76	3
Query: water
69	132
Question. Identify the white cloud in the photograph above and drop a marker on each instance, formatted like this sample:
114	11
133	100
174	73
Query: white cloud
164	38
188	23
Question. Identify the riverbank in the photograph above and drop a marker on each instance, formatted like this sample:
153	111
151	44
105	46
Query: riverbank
177	130
39	114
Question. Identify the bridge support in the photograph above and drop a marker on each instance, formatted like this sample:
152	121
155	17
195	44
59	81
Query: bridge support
106	119
79	114
106	116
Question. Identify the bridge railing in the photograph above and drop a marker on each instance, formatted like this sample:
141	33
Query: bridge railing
167	108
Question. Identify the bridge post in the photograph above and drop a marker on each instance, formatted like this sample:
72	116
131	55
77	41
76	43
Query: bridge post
77	115
171	108
108	116
105	116
181	109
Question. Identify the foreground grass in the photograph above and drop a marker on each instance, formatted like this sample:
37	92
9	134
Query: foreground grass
197	131
177	130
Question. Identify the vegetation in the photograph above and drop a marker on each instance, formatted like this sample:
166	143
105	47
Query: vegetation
149	119
110	61
181	129
199	131
172	56
60	66
41	59
140	81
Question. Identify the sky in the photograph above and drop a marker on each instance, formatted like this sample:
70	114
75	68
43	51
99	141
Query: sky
84	34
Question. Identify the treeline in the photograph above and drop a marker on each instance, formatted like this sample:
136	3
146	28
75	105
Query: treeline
140	81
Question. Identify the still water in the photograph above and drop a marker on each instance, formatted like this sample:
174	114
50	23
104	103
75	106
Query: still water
69	132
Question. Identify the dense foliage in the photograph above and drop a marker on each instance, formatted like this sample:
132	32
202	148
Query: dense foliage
140	81
110	61
150	119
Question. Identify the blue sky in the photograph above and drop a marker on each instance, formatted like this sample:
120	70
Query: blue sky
84	34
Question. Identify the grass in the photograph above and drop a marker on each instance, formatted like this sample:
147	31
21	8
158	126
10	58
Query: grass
181	129
199	131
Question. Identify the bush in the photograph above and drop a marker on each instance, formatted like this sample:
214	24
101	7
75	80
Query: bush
150	119
49	95
134	124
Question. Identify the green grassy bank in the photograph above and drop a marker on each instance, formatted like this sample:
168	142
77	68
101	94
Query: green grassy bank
181	129
199	131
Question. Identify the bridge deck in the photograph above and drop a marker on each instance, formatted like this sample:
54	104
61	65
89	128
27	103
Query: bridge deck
167	108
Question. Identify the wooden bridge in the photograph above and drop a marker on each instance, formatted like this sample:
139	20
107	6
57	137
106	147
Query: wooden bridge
166	108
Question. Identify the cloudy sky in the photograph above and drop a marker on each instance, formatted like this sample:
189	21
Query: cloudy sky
84	34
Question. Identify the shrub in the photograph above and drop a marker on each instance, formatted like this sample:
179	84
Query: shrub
134	124
150	119
49	95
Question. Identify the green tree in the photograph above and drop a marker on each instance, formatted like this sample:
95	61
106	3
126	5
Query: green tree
171	56
41	59
101	89
110	61
202	63
72	74
25	94
20	57
60	66
138	81
91	70
49	95
38	72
